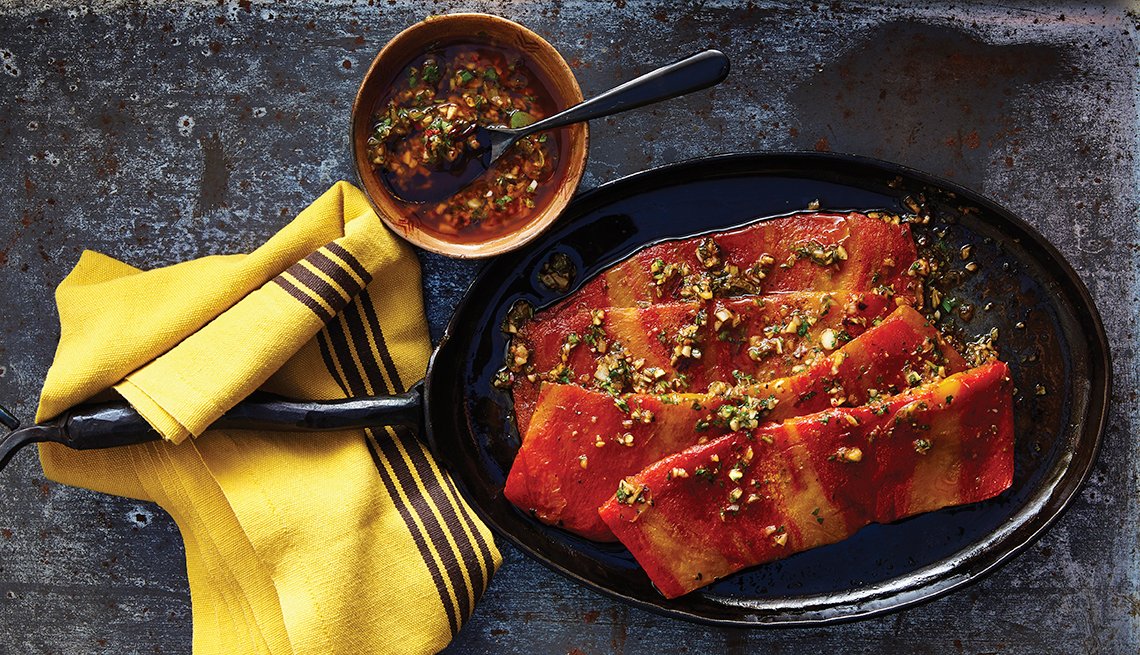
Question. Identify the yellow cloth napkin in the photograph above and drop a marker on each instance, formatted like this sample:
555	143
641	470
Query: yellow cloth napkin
339	542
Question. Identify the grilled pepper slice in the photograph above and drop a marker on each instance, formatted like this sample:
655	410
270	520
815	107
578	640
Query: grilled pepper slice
806	251
581	443
745	499
686	346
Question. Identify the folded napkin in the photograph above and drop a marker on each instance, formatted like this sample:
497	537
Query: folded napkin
338	542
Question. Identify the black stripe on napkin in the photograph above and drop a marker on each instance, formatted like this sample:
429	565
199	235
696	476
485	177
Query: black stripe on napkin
352	385
348	332
303	298
479	540
369	311
337	273
433	480
325	290
352	261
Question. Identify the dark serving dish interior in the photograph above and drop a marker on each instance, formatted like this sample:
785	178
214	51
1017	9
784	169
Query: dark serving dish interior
1050	334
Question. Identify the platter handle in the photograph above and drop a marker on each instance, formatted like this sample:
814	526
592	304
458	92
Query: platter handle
106	425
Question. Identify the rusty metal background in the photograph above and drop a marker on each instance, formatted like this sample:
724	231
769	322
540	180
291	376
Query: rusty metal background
157	133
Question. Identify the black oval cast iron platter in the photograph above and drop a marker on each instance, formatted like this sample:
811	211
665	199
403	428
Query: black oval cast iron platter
1049	332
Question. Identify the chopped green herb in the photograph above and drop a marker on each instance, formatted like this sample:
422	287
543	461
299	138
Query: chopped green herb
622	494
521	119
705	472
503	379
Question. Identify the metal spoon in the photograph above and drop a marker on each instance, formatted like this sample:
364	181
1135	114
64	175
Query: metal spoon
693	73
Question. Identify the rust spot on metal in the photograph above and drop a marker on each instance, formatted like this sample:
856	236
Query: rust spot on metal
591	616
215	175
620	631
1133	601
108	166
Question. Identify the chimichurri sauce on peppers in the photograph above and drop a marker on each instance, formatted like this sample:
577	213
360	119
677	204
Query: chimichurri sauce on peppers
423	128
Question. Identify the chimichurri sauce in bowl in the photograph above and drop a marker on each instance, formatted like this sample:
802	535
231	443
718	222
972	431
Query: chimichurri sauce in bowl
419	124
423	127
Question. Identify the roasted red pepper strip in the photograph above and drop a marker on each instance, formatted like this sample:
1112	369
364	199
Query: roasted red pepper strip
686	346
579	446
581	443
745	499
809	251
902	352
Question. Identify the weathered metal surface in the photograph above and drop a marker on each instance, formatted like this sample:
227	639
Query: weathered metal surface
157	133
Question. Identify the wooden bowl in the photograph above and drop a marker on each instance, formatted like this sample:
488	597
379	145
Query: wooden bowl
475	29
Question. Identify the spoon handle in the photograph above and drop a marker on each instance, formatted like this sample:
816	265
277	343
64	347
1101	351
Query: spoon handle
694	73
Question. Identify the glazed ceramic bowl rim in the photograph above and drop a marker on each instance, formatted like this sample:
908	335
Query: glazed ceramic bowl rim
422	35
